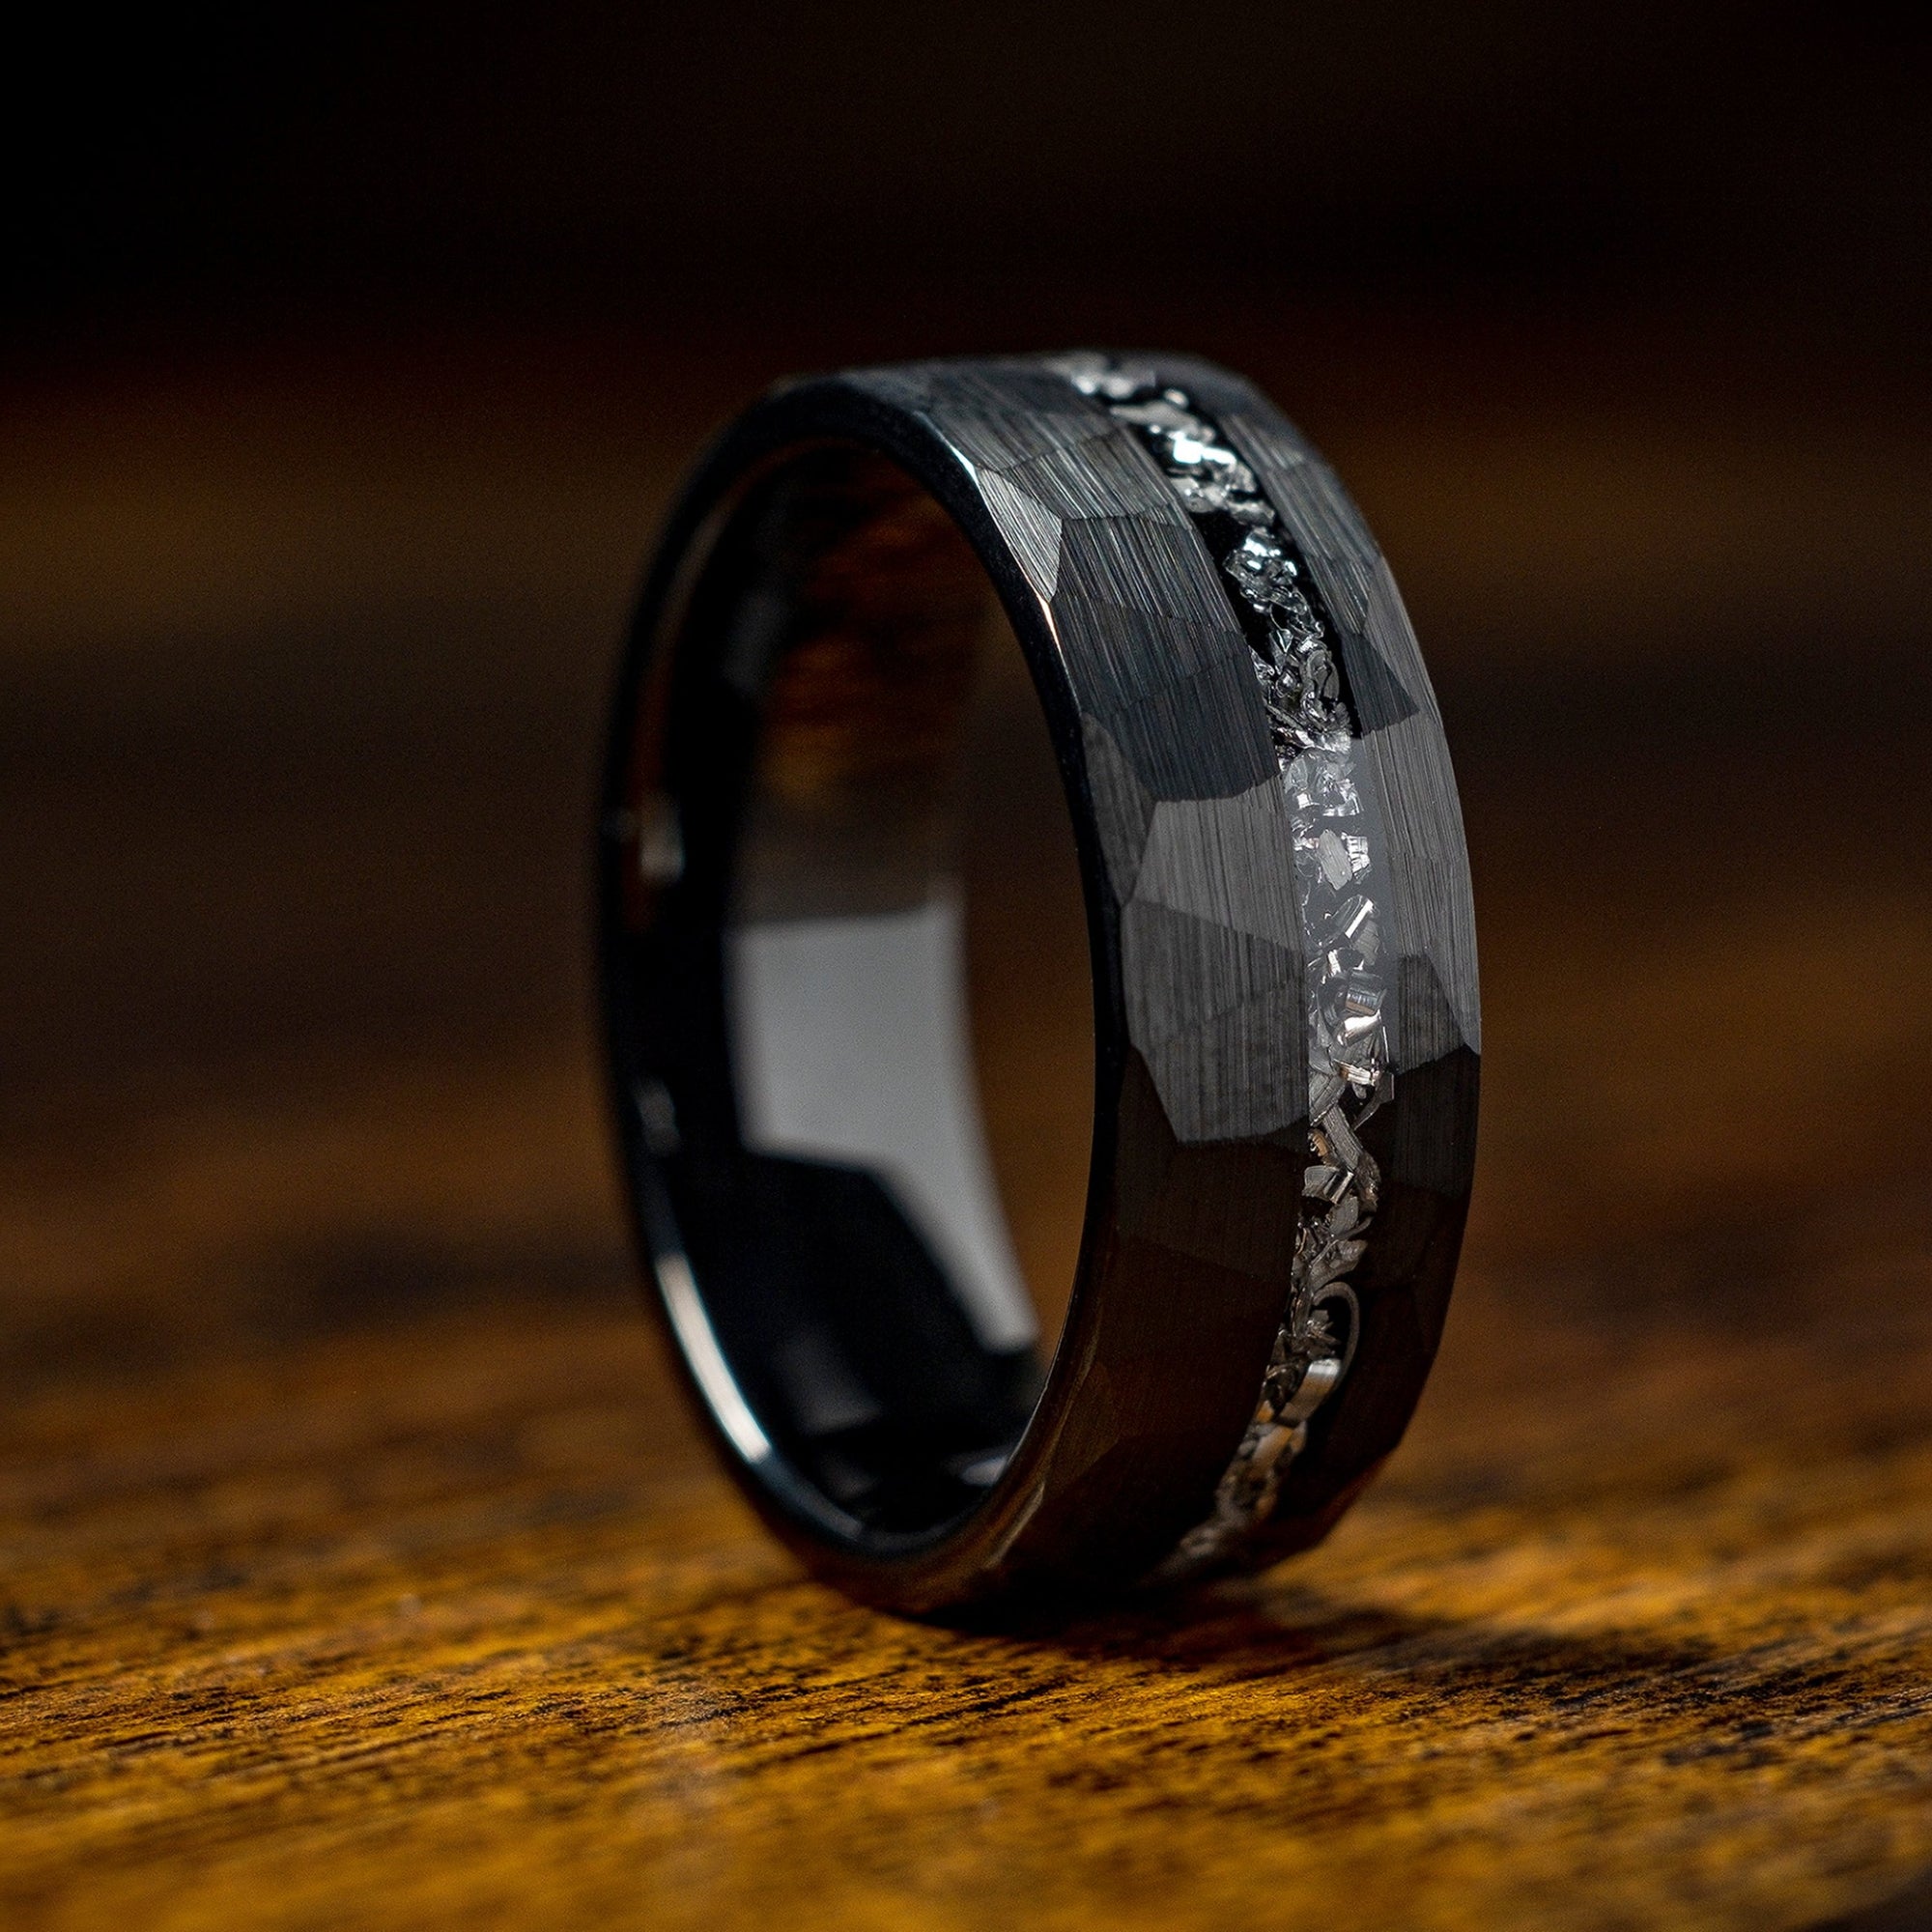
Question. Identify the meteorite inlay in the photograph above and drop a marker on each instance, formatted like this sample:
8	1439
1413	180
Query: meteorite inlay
1314	729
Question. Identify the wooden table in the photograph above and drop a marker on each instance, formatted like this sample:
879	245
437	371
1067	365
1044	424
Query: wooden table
361	1568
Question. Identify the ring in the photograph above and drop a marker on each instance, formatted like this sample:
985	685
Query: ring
1271	918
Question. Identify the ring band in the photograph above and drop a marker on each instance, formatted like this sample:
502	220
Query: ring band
1282	951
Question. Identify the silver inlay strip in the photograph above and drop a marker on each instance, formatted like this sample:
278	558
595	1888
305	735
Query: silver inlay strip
1316	740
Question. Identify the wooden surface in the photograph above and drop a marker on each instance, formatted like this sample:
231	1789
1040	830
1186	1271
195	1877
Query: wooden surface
361	1568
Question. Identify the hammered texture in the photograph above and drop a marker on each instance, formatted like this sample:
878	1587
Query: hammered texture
1197	840
1224	966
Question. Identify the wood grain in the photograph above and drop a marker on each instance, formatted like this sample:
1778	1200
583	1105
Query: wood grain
360	1567
439	1616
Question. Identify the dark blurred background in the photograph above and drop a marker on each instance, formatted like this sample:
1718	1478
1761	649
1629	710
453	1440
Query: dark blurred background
349	358
860	170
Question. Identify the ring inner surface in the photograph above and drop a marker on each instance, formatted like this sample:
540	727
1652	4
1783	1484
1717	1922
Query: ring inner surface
886	1251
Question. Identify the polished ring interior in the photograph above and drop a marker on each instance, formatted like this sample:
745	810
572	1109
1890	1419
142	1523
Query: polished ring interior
783	992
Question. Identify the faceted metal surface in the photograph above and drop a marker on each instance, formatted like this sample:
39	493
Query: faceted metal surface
1311	724
1286	981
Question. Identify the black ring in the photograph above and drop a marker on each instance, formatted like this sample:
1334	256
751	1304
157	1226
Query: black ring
1282	948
